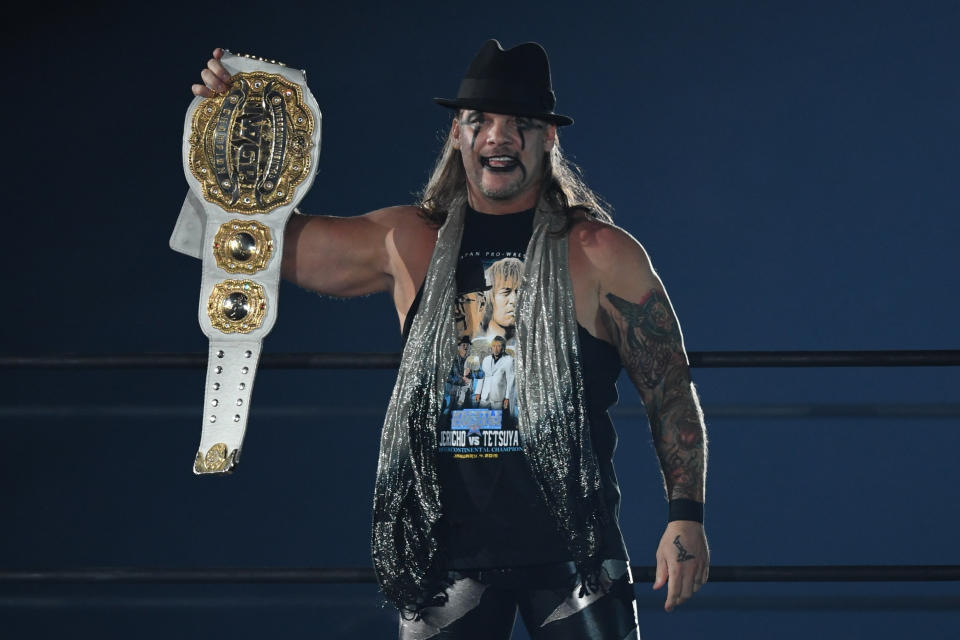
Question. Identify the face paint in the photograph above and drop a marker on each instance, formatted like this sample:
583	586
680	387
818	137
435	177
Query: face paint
523	125
475	130
499	163
473	121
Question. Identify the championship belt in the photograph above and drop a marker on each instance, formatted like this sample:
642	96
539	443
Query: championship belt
249	156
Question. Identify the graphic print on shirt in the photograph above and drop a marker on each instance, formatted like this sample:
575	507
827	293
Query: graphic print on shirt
479	415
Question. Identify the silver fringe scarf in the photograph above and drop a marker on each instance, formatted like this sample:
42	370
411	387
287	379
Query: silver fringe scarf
552	421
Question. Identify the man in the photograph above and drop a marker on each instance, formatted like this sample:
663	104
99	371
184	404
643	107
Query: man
590	292
496	387
468	311
460	378
499	317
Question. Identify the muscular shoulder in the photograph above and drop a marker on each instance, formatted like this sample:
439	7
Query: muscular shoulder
406	219
396	217
409	243
610	254
410	238
357	255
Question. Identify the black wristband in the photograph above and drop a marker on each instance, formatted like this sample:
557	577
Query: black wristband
685	509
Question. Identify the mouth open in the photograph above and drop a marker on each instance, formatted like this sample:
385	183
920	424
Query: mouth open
499	163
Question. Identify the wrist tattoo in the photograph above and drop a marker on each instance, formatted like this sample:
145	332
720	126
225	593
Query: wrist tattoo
682	554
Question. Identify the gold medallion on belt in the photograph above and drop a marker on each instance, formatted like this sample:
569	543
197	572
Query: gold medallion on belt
237	306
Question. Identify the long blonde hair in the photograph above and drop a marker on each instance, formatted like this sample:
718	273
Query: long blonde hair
563	188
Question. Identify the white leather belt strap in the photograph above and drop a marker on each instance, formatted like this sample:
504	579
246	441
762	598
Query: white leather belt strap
249	157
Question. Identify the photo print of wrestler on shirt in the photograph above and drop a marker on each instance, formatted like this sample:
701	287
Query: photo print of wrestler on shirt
480	396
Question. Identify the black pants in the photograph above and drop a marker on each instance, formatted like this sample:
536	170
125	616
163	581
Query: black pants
482	605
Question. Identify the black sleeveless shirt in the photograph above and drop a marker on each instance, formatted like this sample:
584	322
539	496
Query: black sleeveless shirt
494	514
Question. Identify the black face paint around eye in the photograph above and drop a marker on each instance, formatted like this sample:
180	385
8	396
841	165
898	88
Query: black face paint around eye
521	125
474	124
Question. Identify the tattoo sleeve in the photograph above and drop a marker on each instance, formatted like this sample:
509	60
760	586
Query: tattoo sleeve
648	338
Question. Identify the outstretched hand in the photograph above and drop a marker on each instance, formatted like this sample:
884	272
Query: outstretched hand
683	561
215	77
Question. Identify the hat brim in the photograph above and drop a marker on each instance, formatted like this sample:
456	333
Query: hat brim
492	106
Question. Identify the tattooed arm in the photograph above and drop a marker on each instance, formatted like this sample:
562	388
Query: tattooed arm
635	315
647	335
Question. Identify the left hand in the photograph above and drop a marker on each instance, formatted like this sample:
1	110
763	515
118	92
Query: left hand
683	561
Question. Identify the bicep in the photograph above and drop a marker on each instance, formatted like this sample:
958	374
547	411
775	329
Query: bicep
640	319
342	257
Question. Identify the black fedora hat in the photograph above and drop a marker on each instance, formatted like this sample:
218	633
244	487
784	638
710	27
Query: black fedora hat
515	81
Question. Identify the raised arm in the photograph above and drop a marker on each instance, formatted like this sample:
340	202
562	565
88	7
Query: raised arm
384	250
639	321
341	257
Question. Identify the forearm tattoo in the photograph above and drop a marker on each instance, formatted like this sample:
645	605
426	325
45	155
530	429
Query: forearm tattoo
682	554
651	347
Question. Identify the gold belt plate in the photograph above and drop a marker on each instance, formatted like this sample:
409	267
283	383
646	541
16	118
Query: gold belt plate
250	148
242	246
237	306
217	460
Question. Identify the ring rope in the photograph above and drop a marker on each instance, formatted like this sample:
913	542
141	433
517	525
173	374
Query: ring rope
701	359
358	575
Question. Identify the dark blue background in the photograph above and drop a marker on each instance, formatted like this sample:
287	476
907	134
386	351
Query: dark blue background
791	167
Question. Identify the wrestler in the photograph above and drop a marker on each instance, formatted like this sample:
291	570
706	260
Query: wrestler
498	380
502	165
499	318
459	380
